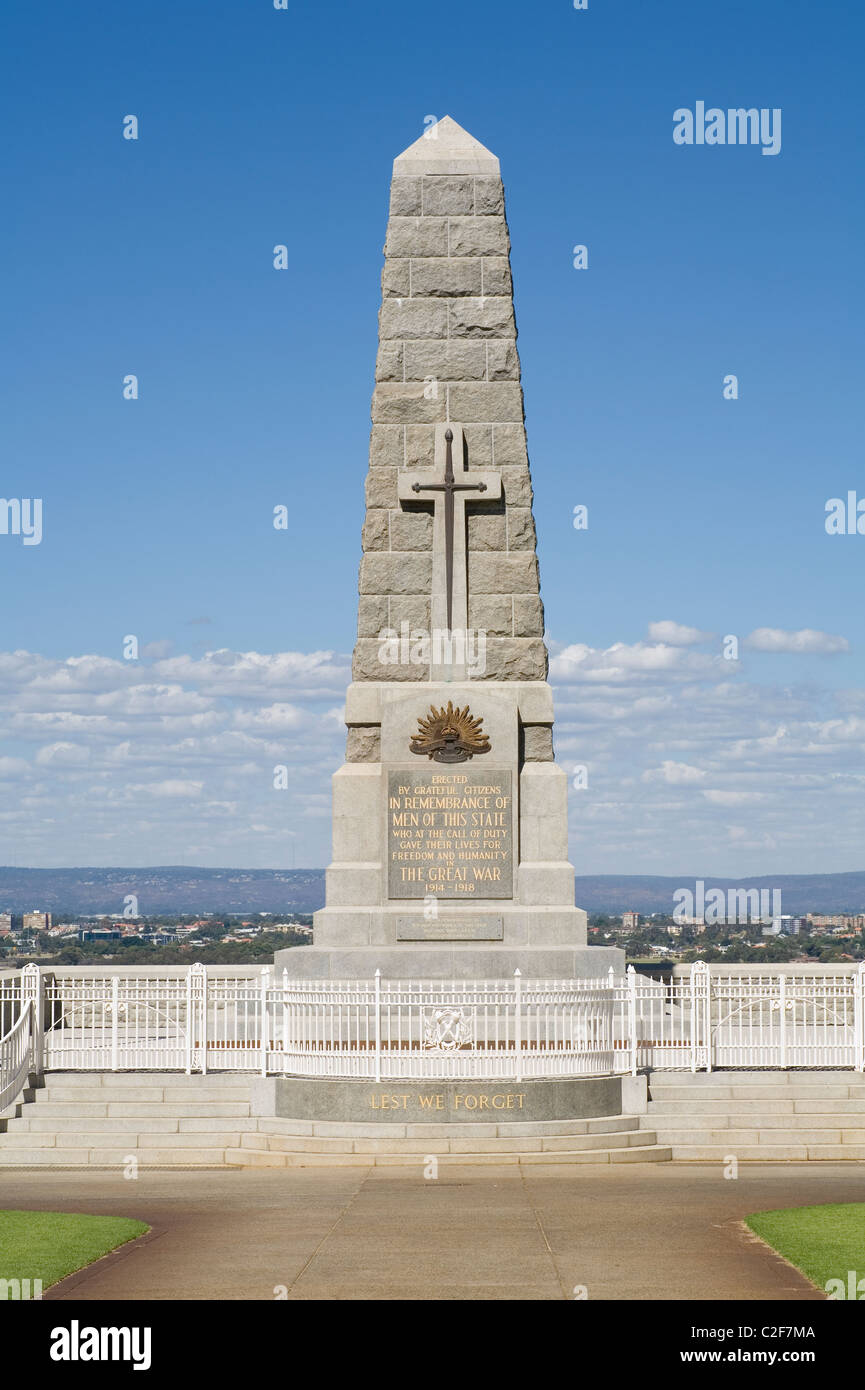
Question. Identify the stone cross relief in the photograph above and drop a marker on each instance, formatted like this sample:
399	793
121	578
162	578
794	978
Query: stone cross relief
449	487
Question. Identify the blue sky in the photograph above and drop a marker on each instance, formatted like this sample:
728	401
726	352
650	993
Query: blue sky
154	257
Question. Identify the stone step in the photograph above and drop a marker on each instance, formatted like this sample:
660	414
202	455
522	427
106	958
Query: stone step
266	1158
143	1110
758	1079
60	1124
733	1139
757	1107
202	1157
627	1139
753	1121
73	1079
767	1153
79	1157
134	1138
98	1095
143	1095
725	1120
463	1143
667	1094
505	1130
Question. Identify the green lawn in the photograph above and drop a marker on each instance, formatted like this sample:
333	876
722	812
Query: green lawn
824	1242
48	1245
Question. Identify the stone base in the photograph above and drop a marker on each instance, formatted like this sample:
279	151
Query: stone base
431	1103
486	923
448	961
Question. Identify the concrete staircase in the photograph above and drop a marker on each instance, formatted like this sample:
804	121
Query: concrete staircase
761	1115
168	1120
298	1143
164	1120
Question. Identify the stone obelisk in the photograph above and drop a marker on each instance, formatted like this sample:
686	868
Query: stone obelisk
450	855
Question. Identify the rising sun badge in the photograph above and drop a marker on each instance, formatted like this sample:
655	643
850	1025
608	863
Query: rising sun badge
450	735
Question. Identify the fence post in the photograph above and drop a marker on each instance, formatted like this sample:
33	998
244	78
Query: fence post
859	1018
190	1020
115	1004
196	1018
632	1018
202	1015
701	1019
710	1061
265	981
285	1017
518	1022
31	992
377	1026
782	1010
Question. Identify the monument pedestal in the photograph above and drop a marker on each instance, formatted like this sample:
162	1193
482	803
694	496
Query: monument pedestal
447	962
450	870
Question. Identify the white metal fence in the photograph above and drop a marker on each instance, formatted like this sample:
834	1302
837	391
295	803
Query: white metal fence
16	1056
189	1020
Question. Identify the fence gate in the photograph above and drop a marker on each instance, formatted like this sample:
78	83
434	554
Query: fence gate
117	1023
787	1021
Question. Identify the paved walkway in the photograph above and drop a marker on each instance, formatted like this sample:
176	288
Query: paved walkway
667	1231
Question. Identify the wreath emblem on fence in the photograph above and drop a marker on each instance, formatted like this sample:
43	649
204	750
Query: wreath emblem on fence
446	1030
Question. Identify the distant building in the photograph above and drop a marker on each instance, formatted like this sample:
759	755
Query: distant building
783	926
847	921
5	923
630	921
36	921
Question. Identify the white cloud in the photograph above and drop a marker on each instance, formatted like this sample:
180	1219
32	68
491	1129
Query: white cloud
622	662
805	640
62	755
252	674
13	768
675	774
677	634
732	798
173	787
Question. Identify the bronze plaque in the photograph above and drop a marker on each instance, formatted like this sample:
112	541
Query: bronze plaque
441	928
450	833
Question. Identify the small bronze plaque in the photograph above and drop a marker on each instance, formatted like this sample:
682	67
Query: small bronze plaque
449	929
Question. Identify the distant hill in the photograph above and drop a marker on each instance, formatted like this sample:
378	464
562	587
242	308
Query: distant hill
181	889
615	893
169	888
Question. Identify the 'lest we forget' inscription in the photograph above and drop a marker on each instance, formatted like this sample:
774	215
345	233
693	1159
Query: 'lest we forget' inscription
450	833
